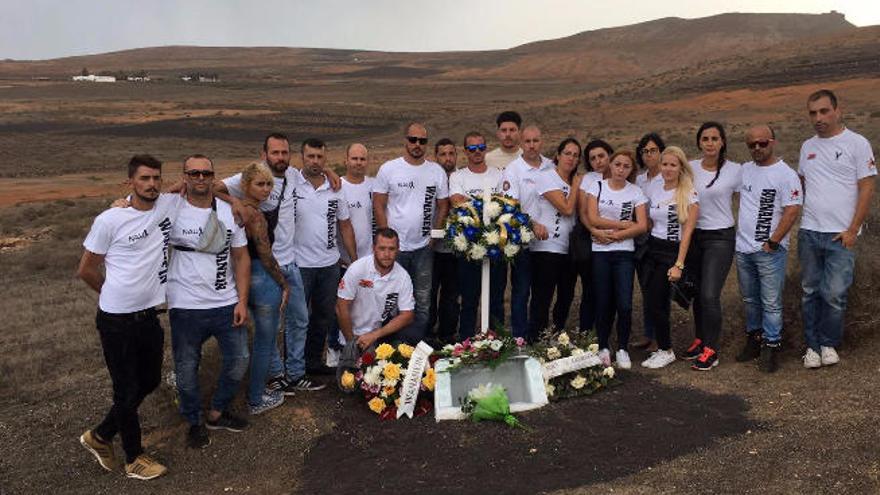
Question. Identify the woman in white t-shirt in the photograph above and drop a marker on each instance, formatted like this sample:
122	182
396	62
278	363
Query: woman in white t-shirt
552	268
674	210
617	206
716	180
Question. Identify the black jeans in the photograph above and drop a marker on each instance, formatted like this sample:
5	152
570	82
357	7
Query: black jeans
658	260
709	260
132	346
587	313
444	297
551	272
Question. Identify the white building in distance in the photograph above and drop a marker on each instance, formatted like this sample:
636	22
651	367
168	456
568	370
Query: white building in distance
94	78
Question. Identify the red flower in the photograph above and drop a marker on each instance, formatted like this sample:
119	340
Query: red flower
368	358
433	358
388	413
423	407
366	283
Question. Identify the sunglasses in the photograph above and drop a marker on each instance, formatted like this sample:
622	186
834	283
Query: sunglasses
193	174
475	147
650	151
414	140
759	144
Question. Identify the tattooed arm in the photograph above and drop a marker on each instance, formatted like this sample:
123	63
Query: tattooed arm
258	232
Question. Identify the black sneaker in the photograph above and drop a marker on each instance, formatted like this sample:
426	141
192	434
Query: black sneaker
304	384
694	351
198	438
227	422
707	360
276	383
767	361
752	348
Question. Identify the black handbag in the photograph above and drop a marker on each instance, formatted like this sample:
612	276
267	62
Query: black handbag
580	242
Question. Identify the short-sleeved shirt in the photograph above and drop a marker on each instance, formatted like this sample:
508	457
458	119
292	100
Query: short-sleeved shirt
500	159
764	193
317	213
831	168
134	244
663	212
413	191
558	225
589	179
716	208
519	181
359	198
375	299
647	184
467	183
282	248
618	206
202	280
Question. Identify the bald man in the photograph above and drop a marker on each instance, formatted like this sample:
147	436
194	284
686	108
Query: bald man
358	191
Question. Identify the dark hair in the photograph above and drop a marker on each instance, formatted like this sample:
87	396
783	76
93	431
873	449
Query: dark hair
274	135
565	142
721	153
647	138
473	134
632	159
312	143
824	93
143	161
387	233
509	116
596	143
442	142
197	156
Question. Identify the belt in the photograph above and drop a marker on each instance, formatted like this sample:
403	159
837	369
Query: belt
141	315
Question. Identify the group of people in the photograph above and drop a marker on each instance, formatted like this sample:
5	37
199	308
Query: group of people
333	261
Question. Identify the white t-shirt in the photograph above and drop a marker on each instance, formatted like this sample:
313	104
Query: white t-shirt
646	184
664	213
135	248
202	280
467	183
519	181
359	198
558	225
716	210
765	191
317	213
500	159
589	179
413	191
831	168
282	248
376	299
618	206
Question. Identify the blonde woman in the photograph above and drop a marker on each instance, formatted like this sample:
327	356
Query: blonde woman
673	212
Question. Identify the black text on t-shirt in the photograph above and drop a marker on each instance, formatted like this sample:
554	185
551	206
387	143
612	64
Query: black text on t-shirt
332	207
765	215
673	228
428	209
390	309
222	261
165	226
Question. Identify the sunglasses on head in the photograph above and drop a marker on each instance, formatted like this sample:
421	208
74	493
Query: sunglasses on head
475	147
414	140
207	174
760	144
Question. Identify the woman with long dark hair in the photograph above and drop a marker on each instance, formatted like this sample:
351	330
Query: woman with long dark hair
716	180
555	210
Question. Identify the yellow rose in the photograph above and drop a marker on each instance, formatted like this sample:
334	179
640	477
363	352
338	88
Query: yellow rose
405	350
397	402
384	351
377	405
391	371
389	391
429	379
347	380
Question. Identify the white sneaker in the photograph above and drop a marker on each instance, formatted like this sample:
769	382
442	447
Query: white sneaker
812	359
623	361
605	357
659	359
829	356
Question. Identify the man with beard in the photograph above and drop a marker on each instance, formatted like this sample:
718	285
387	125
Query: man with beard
412	196
132	245
838	171
518	182
444	288
508	135
358	191
207	297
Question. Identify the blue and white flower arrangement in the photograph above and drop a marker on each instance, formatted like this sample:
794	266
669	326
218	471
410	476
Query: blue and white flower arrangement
500	237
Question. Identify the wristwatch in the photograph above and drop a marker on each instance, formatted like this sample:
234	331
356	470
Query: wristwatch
773	245
679	265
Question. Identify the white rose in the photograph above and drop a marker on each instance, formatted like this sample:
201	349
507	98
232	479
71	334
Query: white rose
390	382
553	353
491	237
460	243
510	250
577	351
578	382
524	235
465	220
493	209
563	339
594	348
477	252
551	389
609	372
496	345
448	348
503	219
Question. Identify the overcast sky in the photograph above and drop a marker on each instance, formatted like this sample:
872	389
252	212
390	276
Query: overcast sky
40	29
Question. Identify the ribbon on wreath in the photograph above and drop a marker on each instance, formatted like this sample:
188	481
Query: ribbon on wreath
409	392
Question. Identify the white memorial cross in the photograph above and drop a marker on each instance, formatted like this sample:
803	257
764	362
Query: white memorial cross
484	289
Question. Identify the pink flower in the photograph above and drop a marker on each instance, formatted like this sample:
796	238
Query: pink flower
520	341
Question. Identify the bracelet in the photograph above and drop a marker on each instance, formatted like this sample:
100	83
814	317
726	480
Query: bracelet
679	265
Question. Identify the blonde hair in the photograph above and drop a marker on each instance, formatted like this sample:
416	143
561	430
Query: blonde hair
685	189
253	171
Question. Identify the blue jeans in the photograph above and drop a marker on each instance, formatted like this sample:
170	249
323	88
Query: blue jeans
470	276
264	303
613	273
319	287
520	290
761	283
190	328
419	264
296	327
826	274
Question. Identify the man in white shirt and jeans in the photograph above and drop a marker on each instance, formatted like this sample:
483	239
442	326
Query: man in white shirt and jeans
132	245
837	169
411	196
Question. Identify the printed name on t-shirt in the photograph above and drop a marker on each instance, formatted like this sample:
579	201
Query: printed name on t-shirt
165	227
765	215
222	261
428	210
332	206
390	309
673	228
408	185
626	210
136	237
